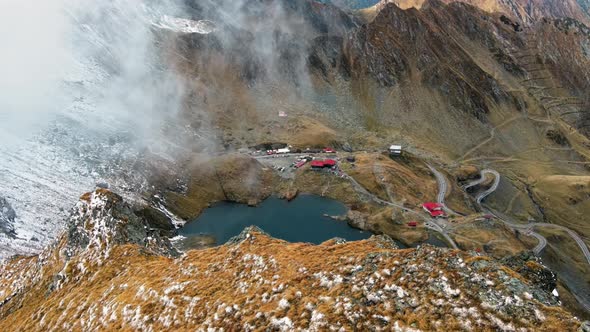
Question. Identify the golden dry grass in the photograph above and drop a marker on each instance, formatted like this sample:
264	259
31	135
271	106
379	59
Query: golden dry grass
566	200
242	287
500	240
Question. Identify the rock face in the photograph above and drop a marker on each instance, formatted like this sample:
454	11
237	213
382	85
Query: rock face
234	178
523	10
101	220
530	267
7	216
356	219
109	272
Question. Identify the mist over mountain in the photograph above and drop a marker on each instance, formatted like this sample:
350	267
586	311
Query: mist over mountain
87	98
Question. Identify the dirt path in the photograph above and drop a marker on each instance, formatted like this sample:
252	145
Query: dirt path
492	136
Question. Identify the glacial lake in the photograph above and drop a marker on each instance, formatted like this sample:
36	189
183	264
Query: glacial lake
301	220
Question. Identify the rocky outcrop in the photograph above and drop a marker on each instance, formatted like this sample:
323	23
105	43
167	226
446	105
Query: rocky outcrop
526	11
7	216
533	270
231	178
357	219
102	220
289	194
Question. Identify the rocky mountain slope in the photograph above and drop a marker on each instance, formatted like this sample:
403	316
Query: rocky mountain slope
527	11
458	85
132	279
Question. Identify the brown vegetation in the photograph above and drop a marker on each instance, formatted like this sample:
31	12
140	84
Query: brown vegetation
262	282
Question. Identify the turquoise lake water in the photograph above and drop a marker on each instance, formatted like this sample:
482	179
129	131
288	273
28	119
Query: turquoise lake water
301	220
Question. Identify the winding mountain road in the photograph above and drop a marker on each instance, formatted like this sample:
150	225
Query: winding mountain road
572	234
542	242
481	196
481	180
440	198
528	228
428	222
443	187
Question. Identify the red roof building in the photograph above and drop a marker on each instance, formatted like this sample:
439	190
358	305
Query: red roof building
413	224
317	164
329	163
434	209
436	214
429	207
329	150
323	163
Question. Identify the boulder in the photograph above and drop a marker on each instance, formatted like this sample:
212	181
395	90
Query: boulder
157	221
357	219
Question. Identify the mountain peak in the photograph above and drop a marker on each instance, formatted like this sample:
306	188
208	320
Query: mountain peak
526	11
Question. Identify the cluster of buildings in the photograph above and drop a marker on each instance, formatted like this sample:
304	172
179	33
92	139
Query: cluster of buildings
315	163
287	150
435	210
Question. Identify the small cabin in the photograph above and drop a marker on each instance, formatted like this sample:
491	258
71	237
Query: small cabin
395	150
317	164
283	151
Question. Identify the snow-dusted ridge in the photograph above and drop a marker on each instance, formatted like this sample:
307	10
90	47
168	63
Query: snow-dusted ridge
102	116
182	25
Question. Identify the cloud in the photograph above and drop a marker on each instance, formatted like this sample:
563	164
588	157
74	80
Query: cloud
86	95
33	60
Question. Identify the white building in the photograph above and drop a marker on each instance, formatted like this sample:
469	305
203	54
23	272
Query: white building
285	150
395	150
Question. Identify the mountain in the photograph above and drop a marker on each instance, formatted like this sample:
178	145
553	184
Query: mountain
132	279
526	11
172	108
456	84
